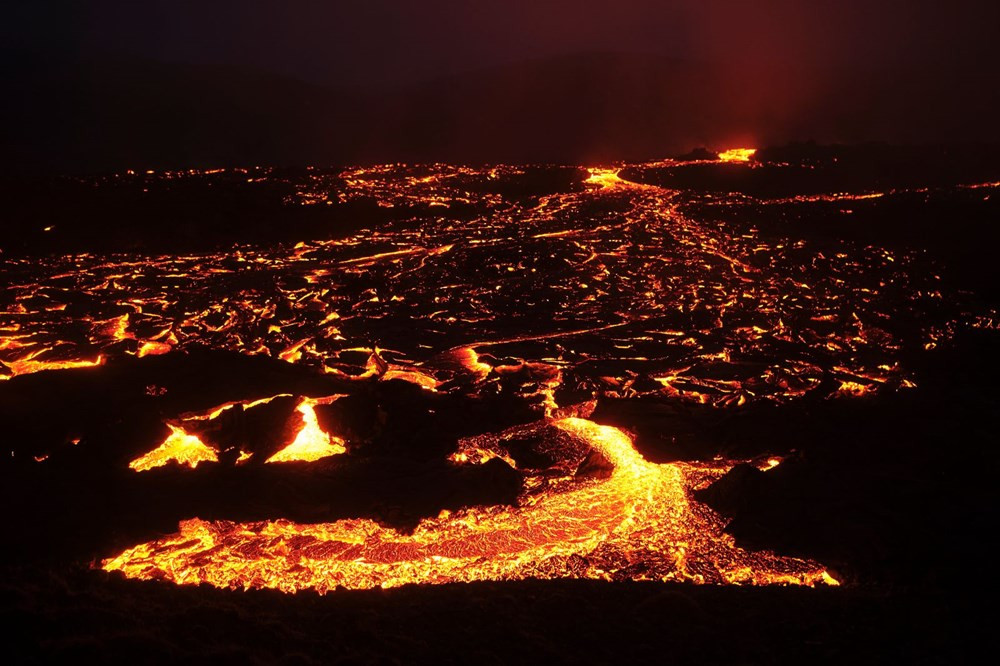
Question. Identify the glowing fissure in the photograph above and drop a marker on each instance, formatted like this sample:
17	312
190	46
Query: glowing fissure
641	512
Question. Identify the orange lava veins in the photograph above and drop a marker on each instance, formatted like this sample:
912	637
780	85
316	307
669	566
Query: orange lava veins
737	154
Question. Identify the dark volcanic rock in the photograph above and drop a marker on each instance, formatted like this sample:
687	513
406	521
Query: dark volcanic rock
734	491
72	613
595	466
665	432
698	154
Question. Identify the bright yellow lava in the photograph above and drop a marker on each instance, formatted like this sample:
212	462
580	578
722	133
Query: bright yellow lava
468	358
421	379
737	154
585	527
311	443
604	177
179	447
153	349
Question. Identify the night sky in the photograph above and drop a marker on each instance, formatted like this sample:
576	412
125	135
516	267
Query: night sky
99	84
383	42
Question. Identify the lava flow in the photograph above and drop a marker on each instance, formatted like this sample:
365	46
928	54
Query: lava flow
625	288
587	528
311	443
179	447
737	154
529	288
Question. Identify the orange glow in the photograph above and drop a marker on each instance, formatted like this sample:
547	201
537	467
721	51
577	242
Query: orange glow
737	154
153	349
214	412
641	511
179	447
414	377
770	463
608	289
467	358
294	353
605	178
854	389
117	328
30	365
576	268
311	443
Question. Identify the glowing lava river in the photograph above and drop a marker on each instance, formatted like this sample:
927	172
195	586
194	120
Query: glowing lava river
467	290
640	514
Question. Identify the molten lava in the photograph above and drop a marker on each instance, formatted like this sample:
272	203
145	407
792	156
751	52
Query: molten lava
153	349
29	365
601	289
605	178
737	154
610	283
640	513
311	443
179	447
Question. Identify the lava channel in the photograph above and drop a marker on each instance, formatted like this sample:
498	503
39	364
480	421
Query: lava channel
637	523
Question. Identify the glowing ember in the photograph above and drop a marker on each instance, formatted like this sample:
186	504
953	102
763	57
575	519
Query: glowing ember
311	443
737	154
640	511
180	447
